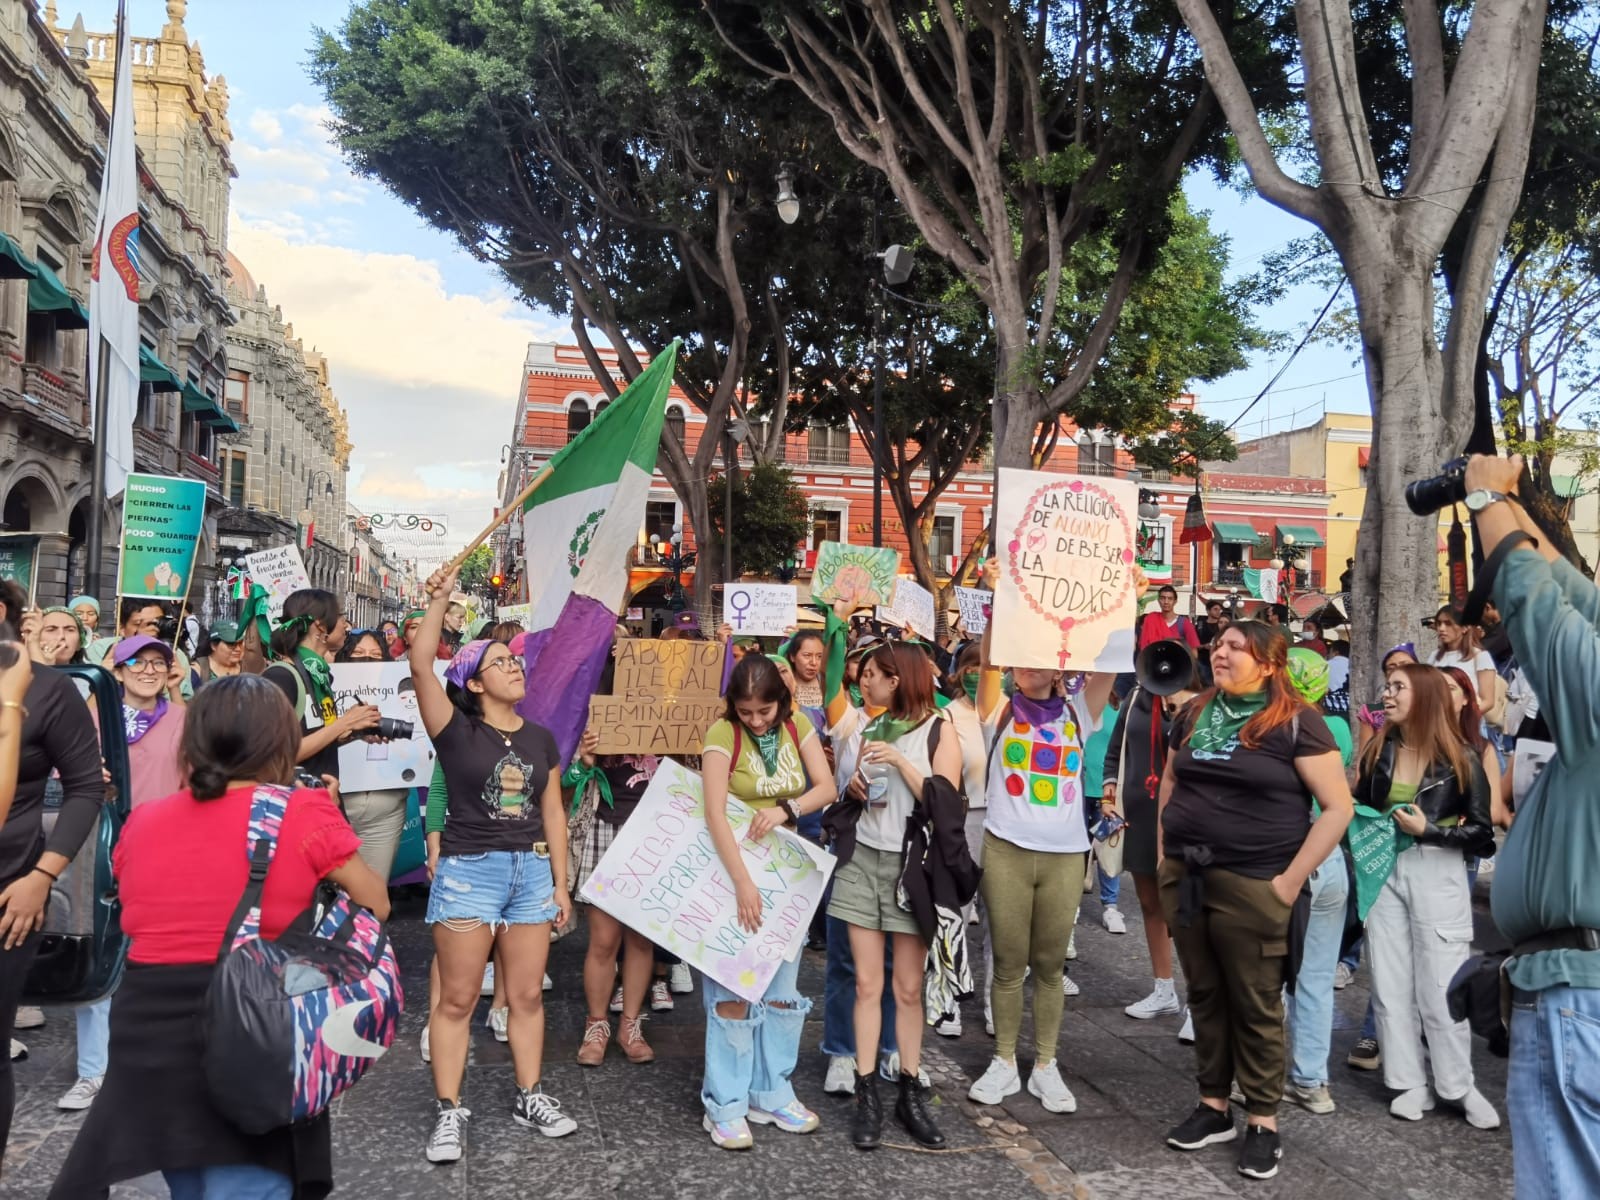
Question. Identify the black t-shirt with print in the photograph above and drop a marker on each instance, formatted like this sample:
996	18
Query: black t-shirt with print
496	784
629	775
1249	806
312	718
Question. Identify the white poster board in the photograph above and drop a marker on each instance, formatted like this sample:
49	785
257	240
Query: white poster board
662	877
757	609
366	766
520	613
974	605
281	571
912	606
1066	597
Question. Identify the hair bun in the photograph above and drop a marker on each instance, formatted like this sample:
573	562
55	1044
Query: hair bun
208	782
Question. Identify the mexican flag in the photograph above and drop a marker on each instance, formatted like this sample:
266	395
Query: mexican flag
579	528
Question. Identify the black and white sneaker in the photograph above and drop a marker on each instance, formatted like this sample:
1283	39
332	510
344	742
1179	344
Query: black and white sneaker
538	1111
1258	1157
449	1128
1205	1127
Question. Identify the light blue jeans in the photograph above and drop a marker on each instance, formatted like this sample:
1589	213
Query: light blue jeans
94	1038
242	1182
1553	1093
1310	1009
749	1061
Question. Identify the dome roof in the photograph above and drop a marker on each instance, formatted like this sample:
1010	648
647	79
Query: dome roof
241	276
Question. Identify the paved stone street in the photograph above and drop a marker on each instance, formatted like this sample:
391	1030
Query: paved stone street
640	1126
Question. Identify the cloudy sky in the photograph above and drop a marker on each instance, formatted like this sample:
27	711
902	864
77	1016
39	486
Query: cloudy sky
425	345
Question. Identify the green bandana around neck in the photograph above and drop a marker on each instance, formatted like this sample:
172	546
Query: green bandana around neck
319	671
767	744
969	684
884	728
1223	717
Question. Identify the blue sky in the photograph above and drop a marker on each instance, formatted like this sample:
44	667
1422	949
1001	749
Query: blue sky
424	341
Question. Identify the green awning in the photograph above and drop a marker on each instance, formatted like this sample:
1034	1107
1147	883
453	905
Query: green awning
156	373
47	294
14	264
1236	533
1568	487
206	409
1303	535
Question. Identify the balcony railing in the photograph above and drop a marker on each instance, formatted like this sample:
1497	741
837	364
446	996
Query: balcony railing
828	456
1229	574
50	391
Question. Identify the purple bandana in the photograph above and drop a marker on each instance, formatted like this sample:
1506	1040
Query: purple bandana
136	722
1037	712
466	661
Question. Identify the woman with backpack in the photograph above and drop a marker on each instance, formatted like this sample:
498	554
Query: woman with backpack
312	631
767	756
500	875
155	1111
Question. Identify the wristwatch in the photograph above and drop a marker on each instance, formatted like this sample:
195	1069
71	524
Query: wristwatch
1480	499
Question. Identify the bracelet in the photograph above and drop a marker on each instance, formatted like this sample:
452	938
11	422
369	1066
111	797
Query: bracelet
792	807
54	878
16	704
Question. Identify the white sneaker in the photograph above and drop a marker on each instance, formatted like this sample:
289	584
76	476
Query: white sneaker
1068	988
538	1111
499	1021
81	1094
448	1127
488	981
548	982
950	1026
1045	1082
660	997
28	1017
18	1051
426	1056
1342	977
1162	1002
1186	1034
841	1080
680	980
995	1084
1113	920
616	999
1072	945
988	1016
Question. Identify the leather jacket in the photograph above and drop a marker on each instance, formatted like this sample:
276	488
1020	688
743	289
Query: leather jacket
1440	797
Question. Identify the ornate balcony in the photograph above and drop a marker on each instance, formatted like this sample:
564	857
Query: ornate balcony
49	391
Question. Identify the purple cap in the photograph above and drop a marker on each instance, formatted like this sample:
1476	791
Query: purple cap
128	647
686	620
465	663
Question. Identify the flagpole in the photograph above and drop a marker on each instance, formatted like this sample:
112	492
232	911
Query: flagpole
500	518
97	485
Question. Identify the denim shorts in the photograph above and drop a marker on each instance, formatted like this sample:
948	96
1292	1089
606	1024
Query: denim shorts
497	887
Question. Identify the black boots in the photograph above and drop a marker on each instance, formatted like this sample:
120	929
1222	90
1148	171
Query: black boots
866	1131
911	1110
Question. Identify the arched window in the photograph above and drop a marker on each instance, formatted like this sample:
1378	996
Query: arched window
675	424
577	418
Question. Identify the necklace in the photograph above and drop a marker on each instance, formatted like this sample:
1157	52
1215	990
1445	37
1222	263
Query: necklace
504	736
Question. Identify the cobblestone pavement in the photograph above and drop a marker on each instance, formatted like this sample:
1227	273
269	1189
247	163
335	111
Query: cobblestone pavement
640	1130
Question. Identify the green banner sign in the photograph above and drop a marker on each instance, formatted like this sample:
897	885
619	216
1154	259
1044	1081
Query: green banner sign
161	522
19	559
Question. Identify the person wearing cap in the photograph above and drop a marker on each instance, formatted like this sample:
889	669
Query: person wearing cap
152	721
87	610
227	650
138	615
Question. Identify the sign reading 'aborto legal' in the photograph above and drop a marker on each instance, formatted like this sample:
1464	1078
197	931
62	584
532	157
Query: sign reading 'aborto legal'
665	695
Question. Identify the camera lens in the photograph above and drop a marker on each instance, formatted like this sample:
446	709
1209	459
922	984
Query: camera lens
395	730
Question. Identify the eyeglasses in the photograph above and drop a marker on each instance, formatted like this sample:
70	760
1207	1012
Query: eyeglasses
146	666
510	664
1393	687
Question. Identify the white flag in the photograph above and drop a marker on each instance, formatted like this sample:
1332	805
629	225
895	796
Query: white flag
114	278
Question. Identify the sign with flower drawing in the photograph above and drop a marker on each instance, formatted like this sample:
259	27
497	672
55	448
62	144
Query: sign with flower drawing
662	877
1067	595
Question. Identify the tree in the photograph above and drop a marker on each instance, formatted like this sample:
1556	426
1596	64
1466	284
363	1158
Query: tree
770	518
1470	121
1010	133
475	571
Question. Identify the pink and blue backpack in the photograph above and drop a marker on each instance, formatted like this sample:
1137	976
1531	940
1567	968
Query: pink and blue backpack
292	1023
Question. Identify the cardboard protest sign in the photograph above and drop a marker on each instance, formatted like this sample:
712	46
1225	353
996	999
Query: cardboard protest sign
281	571
1066	597
912	606
759	608
662	877
162	517
19	560
974	604
863	575
401	762
665	695
520	613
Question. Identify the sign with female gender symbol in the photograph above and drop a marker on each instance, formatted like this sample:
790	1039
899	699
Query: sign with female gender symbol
758	609
1067	596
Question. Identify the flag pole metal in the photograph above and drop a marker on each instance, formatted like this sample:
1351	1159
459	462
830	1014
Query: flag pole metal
97	485
500	519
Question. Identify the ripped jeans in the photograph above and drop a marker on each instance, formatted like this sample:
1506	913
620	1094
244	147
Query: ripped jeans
749	1062
495	888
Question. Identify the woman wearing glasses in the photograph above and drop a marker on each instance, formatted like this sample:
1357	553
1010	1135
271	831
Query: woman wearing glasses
500	866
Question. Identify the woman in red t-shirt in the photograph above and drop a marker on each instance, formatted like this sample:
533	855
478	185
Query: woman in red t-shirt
154	1111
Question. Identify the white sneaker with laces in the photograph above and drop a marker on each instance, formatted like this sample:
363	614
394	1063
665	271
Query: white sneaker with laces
448	1130
1161	1002
680	980
1045	1083
423	1046
487	988
660	997
499	1023
841	1079
81	1094
995	1084
1113	920
950	1026
1186	1034
1068	988
538	1111
616	999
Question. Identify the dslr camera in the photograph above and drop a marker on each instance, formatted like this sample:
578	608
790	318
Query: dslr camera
393	729
1427	496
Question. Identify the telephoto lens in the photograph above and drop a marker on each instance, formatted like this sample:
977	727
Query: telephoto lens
395	730
1427	496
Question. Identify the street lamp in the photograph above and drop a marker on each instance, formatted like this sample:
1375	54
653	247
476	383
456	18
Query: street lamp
788	202
671	551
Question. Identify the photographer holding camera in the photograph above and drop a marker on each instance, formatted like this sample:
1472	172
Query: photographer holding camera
1545	896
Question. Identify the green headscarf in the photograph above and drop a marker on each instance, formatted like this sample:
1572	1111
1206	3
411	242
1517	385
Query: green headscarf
1308	672
83	634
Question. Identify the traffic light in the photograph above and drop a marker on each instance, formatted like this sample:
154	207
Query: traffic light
495	581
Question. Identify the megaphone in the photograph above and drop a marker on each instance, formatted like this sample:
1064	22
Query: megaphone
1165	667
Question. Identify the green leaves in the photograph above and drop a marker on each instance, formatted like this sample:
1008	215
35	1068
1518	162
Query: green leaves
770	518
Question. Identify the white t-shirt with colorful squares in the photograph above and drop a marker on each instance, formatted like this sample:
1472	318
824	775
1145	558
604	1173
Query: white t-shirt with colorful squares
1035	784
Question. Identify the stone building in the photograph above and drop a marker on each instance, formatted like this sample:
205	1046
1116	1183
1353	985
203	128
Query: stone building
54	86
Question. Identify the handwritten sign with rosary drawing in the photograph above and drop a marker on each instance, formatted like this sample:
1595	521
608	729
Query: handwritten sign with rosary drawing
663	878
1067	597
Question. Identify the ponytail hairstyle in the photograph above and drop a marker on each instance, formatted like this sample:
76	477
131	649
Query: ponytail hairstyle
1269	646
302	610
1430	727
238	727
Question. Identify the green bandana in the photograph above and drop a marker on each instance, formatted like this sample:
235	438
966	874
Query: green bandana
1222	719
767	744
578	777
255	609
320	674
884	728
969	684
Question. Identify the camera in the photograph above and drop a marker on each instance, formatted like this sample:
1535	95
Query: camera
306	779
167	629
1427	496
395	730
